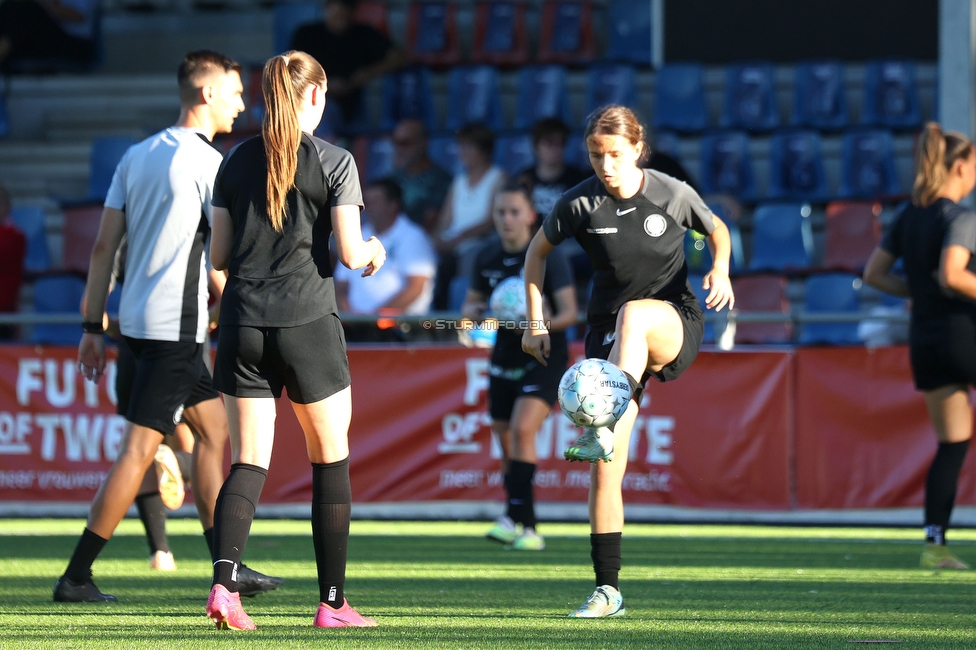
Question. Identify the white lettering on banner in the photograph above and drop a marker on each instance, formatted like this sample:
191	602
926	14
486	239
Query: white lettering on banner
16	479
556	429
476	371
13	431
70	480
578	479
58	380
65	396
465	478
82	437
657	430
653	481
49	437
496	479
28	379
459	430
87	437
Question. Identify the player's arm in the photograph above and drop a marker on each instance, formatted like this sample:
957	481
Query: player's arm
954	272
878	274
350	247
216	281
221	238
717	281
91	350
535	339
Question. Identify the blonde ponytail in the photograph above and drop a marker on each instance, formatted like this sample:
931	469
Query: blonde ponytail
935	154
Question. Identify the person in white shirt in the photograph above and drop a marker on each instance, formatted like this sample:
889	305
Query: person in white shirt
405	283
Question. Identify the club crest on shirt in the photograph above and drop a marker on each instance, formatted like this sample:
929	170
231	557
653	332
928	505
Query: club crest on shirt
655	225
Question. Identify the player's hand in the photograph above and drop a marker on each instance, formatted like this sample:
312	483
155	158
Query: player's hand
719	288
91	356
536	342
379	259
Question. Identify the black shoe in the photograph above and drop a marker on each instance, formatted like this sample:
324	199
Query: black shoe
66	591
252	583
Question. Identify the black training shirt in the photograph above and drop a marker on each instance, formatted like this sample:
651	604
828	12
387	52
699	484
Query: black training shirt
282	279
918	236
635	245
492	265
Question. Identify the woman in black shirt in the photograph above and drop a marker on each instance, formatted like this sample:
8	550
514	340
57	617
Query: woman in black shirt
642	315
277	199
936	239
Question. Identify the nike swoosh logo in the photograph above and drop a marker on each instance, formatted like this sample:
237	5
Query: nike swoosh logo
620	214
609	337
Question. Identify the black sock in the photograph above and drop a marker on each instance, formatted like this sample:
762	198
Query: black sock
605	552
518	485
331	504
233	515
152	512
940	487
88	548
208	535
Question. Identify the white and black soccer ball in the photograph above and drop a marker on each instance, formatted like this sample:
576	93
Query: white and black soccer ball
507	301
594	393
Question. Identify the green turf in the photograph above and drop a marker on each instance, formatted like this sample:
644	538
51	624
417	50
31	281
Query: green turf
442	585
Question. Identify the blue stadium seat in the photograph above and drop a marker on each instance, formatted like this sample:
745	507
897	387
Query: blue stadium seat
867	165
831	293
4	118
407	94
105	156
819	101
726	165
514	152
380	158
750	97
432	37
679	98
57	294
667	142
576	153
782	238
629	37
697	254
286	17
500	36
30	220
473	96
566	32
541	94
891	95
796	170
610	83
443	150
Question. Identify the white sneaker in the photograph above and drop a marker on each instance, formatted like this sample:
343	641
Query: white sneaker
162	561
505	530
605	601
528	541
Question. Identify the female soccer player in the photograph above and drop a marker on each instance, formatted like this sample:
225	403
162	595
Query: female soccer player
642	316
277	200
521	391
936	239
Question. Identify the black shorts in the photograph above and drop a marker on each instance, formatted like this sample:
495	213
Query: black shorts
950	361
165	378
598	344
535	380
309	360
125	372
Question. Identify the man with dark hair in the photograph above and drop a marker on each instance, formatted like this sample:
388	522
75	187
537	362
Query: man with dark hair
160	201
424	183
351	54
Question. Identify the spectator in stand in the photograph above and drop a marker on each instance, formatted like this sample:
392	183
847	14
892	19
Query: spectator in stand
47	29
550	176
423	182
351	54
405	283
466	217
13	249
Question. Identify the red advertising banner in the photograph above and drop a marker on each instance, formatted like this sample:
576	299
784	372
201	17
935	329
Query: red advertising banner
717	437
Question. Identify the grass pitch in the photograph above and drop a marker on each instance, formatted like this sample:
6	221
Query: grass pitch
442	585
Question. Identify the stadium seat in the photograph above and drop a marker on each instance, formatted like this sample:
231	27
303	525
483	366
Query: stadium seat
891	95
80	231
473	96
629	34
106	153
30	220
726	165
867	165
373	13
566	32
782	238
432	36
831	293
541	94
286	17
679	98
796	169
500	36
610	83
697	254
443	150
57	294
407	94
750	97
819	101
4	117
576	153
851	232
763	293
667	142
514	152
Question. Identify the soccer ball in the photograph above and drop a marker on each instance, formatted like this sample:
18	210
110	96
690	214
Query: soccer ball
507	302
594	393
